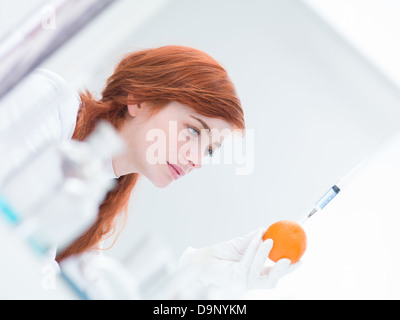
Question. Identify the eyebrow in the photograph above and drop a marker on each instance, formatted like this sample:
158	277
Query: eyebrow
205	126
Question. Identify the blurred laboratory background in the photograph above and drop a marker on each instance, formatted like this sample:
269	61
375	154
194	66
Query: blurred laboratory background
319	82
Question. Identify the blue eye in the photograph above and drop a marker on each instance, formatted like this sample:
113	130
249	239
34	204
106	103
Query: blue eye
194	131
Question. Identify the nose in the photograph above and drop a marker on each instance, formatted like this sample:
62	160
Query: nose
191	157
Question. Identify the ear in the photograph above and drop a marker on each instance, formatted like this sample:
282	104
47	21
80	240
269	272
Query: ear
133	109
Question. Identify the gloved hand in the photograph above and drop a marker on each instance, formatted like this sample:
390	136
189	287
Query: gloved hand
237	262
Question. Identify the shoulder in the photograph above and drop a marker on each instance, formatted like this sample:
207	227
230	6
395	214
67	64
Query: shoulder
45	102
68	102
46	81
58	84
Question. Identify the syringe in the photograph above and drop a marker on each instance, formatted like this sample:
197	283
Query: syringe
340	185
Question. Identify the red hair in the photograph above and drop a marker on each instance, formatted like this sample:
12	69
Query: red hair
155	76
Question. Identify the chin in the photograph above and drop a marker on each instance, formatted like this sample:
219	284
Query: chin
160	183
158	177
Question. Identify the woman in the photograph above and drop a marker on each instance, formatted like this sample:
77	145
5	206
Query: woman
150	90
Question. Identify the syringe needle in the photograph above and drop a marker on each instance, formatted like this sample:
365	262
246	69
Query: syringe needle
313	211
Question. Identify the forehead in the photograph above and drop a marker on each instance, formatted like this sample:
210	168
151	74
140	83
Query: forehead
178	111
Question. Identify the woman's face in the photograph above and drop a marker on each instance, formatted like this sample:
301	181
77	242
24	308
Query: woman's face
169	144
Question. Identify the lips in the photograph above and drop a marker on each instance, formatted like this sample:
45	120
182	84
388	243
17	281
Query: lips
176	171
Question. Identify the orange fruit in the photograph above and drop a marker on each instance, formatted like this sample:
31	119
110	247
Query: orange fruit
290	240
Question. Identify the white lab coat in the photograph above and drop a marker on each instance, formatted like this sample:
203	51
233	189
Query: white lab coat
34	93
58	122
38	90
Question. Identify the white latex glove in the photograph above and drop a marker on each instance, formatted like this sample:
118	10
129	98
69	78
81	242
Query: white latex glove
238	262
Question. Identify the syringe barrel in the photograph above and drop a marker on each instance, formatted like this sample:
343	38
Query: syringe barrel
327	197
